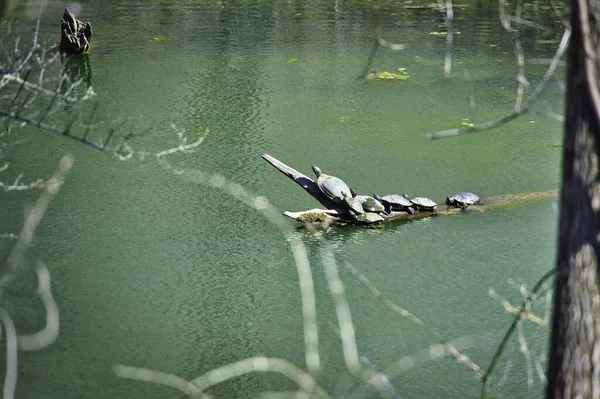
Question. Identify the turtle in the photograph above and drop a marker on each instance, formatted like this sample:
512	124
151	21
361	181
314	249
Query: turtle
395	202
463	200
335	188
353	203
369	218
422	203
368	203
331	186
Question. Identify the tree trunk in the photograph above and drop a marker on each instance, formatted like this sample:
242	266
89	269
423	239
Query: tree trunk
574	369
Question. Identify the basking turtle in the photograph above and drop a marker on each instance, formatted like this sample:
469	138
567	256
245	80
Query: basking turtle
331	186
369	218
369	204
335	188
422	203
353	203
395	202
463	200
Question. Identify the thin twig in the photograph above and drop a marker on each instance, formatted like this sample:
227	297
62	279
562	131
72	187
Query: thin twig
34	45
336	288
449	36
260	364
379	41
10	378
514	115
32	220
452	350
521	80
158	377
49	333
509	332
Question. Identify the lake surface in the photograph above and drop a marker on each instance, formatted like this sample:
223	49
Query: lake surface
152	269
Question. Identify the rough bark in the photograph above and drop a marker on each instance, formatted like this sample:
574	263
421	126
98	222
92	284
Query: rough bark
574	369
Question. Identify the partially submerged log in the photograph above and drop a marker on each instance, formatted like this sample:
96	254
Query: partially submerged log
338	213
309	185
316	217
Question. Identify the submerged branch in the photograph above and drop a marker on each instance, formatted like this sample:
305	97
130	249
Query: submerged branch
516	113
13	261
379	41
511	330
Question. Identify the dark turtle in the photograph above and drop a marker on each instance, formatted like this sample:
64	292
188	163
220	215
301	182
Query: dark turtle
369	204
463	200
395	202
422	203
333	187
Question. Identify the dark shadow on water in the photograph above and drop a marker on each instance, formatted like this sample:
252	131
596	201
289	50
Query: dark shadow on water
78	67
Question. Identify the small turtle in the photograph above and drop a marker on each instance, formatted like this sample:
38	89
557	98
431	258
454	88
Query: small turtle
463	200
331	186
369	218
395	202
369	204
422	203
353	203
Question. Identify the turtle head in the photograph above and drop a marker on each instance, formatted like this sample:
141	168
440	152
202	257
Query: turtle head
448	201
406	196
316	170
377	197
352	192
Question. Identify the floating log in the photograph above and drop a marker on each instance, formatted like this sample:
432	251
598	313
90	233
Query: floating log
338	213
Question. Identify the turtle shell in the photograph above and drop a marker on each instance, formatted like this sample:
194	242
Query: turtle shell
353	203
396	202
370	204
422	202
464	198
369	217
333	187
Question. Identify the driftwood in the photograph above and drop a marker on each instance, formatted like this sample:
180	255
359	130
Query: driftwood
75	36
338	213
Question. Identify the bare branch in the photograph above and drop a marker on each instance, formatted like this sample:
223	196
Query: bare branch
522	314
158	377
18	186
10	378
336	288
13	261
49	333
260	203
50	93
284	395
34	45
449	36
452	350
261	364
379	41
509	332
524	109
377	294
525	351
9	236
522	81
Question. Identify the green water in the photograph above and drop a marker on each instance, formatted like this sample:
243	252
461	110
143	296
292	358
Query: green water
153	270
